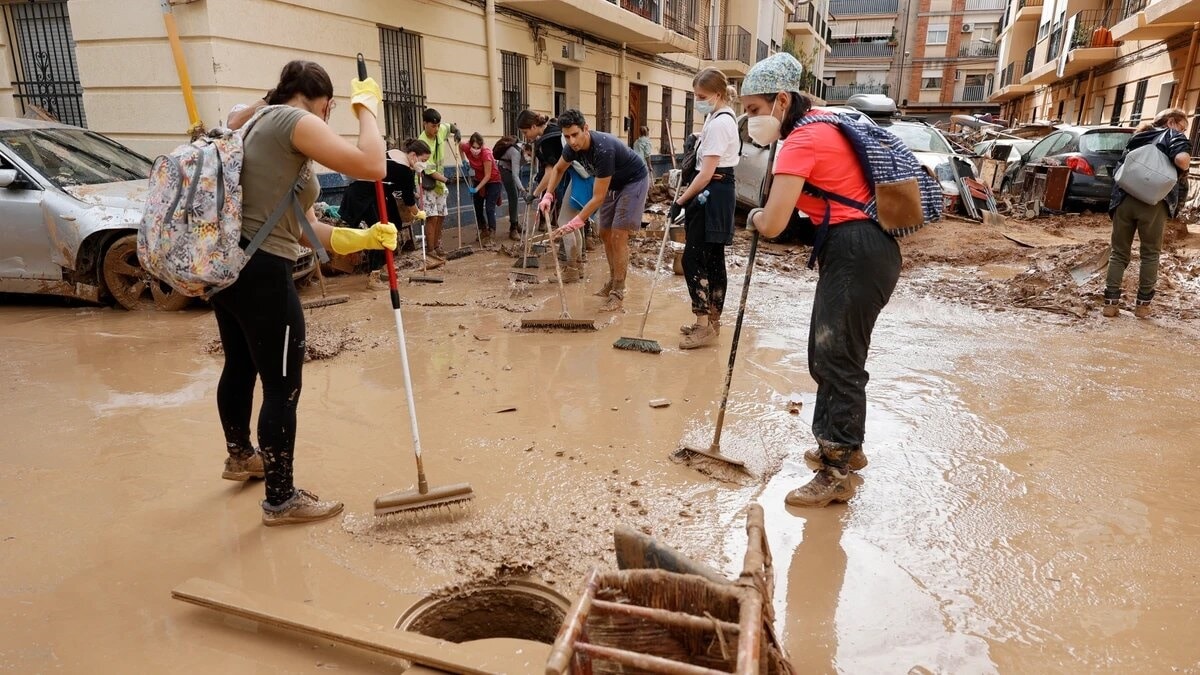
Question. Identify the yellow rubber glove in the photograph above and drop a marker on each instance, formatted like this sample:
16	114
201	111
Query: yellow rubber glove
367	94
347	240
421	215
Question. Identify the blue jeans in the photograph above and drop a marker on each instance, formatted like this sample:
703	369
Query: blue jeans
859	268
485	206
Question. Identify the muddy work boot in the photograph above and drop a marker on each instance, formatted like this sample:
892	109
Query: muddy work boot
857	461
1142	309
303	507
514	234
616	298
243	468
1111	308
828	485
572	273
701	336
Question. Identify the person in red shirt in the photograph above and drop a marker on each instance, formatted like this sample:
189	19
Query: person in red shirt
487	186
859	266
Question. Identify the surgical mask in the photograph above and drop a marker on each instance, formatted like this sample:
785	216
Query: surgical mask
475	151
704	107
764	129
420	166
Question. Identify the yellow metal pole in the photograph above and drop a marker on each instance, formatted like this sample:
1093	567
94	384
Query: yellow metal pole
185	82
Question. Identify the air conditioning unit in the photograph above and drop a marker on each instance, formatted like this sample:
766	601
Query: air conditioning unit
967	28
574	51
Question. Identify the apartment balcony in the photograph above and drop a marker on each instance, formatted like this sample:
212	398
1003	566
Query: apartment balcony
986	5
1010	86
815	87
861	50
733	52
808	20
1155	19
653	26
974	94
847	8
1081	55
839	93
978	49
1028	10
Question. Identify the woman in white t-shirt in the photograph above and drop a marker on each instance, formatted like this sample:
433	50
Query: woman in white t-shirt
708	202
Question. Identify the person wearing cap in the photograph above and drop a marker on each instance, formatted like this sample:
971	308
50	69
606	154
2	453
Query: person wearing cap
859	267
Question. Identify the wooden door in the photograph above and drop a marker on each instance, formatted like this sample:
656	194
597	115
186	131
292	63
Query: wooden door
638	106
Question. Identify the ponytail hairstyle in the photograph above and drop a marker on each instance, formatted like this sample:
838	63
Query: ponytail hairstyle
416	147
529	119
1170	115
799	105
713	81
306	78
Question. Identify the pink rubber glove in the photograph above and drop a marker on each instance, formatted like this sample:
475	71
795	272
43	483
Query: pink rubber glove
546	203
575	224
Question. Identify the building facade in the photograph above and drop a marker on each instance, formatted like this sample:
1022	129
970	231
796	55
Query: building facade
865	39
949	64
1099	63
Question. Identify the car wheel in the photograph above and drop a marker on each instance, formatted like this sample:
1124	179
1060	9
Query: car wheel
131	285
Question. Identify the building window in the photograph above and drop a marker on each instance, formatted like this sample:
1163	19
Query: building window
1118	104
931	83
560	91
403	82
515	89
604	102
44	74
1139	98
689	114
665	141
939	34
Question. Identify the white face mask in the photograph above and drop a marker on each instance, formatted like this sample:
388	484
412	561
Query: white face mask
475	151
764	129
704	107
420	166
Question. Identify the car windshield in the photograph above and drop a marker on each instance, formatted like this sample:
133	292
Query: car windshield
69	157
921	139
1105	142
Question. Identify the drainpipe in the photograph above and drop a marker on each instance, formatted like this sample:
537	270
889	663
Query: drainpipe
493	67
624	109
1181	97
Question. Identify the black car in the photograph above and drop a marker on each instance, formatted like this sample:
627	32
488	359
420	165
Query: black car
1091	152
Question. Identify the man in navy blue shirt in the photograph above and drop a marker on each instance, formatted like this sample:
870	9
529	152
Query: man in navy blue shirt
1130	215
618	195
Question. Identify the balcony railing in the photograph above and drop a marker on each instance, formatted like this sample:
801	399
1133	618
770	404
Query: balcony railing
991	5
861	50
680	16
1006	76
733	44
1022	4
841	92
813	85
808	13
1029	61
978	49
1086	22
974	93
841	8
647	9
1131	7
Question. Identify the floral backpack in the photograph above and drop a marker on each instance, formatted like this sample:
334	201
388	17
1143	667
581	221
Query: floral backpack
190	235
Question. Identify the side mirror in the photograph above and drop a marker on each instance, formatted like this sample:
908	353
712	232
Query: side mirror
7	177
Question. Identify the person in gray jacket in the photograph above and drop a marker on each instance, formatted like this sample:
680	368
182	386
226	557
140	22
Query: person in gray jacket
1132	216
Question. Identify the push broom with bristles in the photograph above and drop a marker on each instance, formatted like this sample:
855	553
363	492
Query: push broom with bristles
422	497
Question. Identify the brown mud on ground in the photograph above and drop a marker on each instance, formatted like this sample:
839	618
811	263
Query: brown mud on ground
321	341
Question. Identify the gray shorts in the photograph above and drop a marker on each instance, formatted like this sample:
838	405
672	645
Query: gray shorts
622	209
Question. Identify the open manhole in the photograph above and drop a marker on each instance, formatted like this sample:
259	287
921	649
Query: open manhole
517	609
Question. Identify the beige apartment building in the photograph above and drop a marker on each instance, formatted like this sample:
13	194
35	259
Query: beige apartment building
107	64
1115	62
865	52
949	63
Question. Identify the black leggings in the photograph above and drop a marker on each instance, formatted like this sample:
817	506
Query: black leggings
262	332
510	191
703	266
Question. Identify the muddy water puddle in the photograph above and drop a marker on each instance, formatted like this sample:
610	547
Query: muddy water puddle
1027	506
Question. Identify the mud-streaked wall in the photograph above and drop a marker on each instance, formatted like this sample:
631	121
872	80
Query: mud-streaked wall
235	49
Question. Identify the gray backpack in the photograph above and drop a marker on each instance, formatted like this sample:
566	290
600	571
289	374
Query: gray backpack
1147	174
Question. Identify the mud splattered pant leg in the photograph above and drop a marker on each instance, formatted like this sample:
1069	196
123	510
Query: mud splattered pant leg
1148	221
703	267
262	332
859	268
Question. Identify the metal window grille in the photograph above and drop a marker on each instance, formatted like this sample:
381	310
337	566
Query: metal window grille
403	82
515	85
45	73
604	102
1139	98
1118	103
689	114
665	141
1195	136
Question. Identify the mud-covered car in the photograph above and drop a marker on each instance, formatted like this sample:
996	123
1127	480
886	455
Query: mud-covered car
70	204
